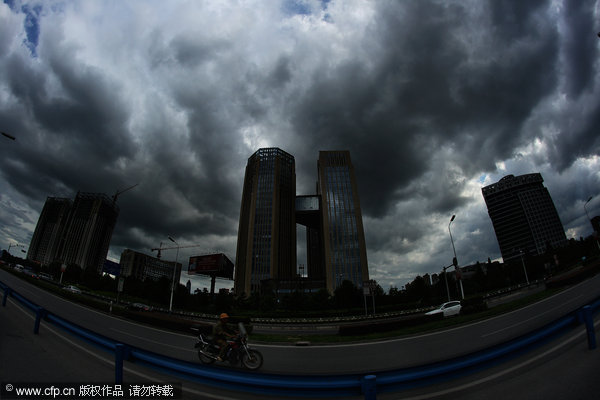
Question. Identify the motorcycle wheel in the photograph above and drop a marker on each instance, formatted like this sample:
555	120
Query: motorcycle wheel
253	361
204	359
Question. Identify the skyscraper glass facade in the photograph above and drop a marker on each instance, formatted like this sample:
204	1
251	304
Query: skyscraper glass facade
345	253
267	231
266	249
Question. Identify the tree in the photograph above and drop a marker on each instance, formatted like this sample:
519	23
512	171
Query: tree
347	295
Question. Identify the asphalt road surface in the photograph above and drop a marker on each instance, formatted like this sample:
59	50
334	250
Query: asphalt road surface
562	369
331	359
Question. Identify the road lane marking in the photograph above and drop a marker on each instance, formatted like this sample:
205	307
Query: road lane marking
576	336
526	321
499	374
150	341
112	361
23	288
442	332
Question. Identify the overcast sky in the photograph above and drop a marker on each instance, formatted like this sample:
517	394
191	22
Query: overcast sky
433	99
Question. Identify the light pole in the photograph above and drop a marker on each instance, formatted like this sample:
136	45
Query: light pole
174	273
524	269
589	219
455	260
446	280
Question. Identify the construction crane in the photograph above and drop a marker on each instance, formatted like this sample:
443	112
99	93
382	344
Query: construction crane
122	191
11	137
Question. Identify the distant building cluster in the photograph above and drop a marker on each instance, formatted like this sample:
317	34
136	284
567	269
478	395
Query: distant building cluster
75	231
142	267
78	231
270	210
523	215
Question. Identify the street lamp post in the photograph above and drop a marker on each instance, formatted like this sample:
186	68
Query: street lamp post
446	280
589	219
524	269
174	273
455	260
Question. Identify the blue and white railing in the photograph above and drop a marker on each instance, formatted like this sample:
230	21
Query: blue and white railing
367	385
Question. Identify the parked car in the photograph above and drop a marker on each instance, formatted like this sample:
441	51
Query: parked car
72	289
139	307
448	309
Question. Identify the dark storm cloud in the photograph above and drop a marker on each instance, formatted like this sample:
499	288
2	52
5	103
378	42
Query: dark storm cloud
394	126
73	117
580	45
342	112
432	98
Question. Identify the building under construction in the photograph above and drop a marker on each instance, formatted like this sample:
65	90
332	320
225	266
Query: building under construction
75	231
142	266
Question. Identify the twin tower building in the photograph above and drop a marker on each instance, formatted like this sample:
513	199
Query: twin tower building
270	210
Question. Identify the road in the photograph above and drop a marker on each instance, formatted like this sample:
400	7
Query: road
563	368
55	357
332	359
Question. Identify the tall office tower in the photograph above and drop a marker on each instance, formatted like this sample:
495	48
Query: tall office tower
49	230
343	235
88	231
523	215
266	247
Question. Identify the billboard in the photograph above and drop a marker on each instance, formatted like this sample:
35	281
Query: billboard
211	264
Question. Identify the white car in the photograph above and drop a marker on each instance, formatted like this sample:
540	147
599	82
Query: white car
448	309
73	289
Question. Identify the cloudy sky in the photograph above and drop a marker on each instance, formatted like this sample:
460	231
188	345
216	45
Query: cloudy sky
433	99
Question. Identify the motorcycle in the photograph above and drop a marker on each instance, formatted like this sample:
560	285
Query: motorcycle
238	350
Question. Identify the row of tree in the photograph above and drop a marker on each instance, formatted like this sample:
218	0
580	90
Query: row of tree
347	298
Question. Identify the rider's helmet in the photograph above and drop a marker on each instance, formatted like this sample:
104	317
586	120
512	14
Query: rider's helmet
224	316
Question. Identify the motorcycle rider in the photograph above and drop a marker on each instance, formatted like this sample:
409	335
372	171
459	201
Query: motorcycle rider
220	334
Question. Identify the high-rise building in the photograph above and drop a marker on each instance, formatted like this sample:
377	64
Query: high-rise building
75	232
523	215
89	230
266	247
343	235
49	230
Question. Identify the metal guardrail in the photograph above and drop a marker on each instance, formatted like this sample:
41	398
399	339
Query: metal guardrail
367	385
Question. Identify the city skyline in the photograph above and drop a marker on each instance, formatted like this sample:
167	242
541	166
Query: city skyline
434	100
